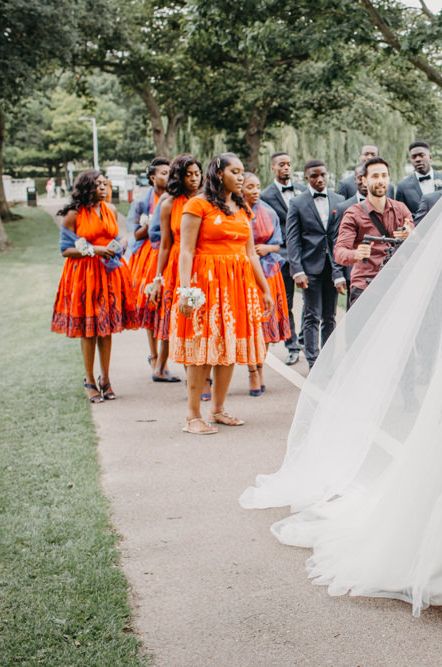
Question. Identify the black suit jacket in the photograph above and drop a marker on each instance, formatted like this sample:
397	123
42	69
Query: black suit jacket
427	202
273	197
409	191
347	188
308	243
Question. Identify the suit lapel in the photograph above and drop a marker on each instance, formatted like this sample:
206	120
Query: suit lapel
414	183
279	197
312	205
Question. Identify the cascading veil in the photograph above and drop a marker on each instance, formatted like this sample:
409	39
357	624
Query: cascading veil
363	468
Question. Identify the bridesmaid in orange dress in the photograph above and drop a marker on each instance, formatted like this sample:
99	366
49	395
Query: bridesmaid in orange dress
185	180
95	297
218	265
267	237
143	260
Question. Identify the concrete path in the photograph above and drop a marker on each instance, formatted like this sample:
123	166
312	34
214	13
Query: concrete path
210	585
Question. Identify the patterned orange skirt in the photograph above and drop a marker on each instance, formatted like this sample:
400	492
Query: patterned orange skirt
91	302
143	268
276	326
170	277
227	329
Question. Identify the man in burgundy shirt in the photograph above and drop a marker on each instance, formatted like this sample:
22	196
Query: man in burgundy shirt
367	259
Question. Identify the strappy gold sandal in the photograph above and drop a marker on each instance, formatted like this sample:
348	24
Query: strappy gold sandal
226	419
190	427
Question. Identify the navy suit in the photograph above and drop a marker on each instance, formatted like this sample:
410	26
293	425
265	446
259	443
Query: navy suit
409	191
273	197
348	188
427	203
310	251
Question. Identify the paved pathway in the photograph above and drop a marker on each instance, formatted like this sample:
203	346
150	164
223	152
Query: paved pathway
210	585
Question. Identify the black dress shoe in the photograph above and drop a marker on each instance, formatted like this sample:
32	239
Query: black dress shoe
292	357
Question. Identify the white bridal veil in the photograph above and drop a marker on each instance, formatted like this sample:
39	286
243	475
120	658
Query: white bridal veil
367	436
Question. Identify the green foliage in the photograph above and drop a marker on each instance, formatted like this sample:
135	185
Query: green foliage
48	130
64	599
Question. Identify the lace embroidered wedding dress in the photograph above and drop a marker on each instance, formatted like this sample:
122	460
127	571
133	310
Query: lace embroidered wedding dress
363	468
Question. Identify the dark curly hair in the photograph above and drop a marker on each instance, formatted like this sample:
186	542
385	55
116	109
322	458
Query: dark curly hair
156	162
214	188
84	191
178	168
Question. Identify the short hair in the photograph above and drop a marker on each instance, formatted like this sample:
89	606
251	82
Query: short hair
278	154
418	144
152	167
250	174
313	163
374	160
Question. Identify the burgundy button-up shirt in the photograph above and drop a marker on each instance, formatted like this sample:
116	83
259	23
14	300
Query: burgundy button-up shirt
355	224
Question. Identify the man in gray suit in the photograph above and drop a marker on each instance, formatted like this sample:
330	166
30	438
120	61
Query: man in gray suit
423	181
278	195
427	203
347	186
311	232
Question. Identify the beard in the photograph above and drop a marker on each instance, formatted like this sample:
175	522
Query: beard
377	190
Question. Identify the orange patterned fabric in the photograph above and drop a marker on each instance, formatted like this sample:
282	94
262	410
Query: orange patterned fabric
143	269
170	273
276	326
91	302
227	328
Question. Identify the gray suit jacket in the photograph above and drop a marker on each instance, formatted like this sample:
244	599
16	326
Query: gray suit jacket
308	243
347	188
273	197
409	191
427	202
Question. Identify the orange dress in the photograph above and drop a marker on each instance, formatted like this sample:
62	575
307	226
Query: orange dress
170	273
91	301
227	328
266	229
143	268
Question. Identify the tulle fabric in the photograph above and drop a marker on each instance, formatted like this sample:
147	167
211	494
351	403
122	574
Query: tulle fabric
363	468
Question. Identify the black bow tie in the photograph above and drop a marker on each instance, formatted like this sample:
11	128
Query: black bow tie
319	194
287	187
425	178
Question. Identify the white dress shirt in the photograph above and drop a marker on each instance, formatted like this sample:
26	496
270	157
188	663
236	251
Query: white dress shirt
288	194
322	206
428	185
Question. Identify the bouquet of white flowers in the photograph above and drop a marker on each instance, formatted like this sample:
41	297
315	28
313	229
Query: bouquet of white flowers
194	295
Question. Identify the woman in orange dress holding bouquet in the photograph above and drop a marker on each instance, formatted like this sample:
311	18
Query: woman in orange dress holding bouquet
95	297
144	252
216	316
185	180
267	238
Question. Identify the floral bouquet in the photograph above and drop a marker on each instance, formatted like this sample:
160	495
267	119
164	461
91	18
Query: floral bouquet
194	295
150	287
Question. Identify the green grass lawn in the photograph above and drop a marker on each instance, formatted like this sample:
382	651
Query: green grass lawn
123	207
64	600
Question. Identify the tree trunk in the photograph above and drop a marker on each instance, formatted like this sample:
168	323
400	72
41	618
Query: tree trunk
5	213
253	138
3	237
164	139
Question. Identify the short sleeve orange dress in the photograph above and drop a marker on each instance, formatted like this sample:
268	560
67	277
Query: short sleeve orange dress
227	328
170	273
91	299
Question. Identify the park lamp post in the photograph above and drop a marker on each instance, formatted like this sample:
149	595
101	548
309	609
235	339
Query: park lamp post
94	138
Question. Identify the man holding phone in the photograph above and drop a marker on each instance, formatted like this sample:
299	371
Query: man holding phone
376	216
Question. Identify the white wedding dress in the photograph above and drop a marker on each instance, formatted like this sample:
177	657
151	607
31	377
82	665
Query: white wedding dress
363	469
